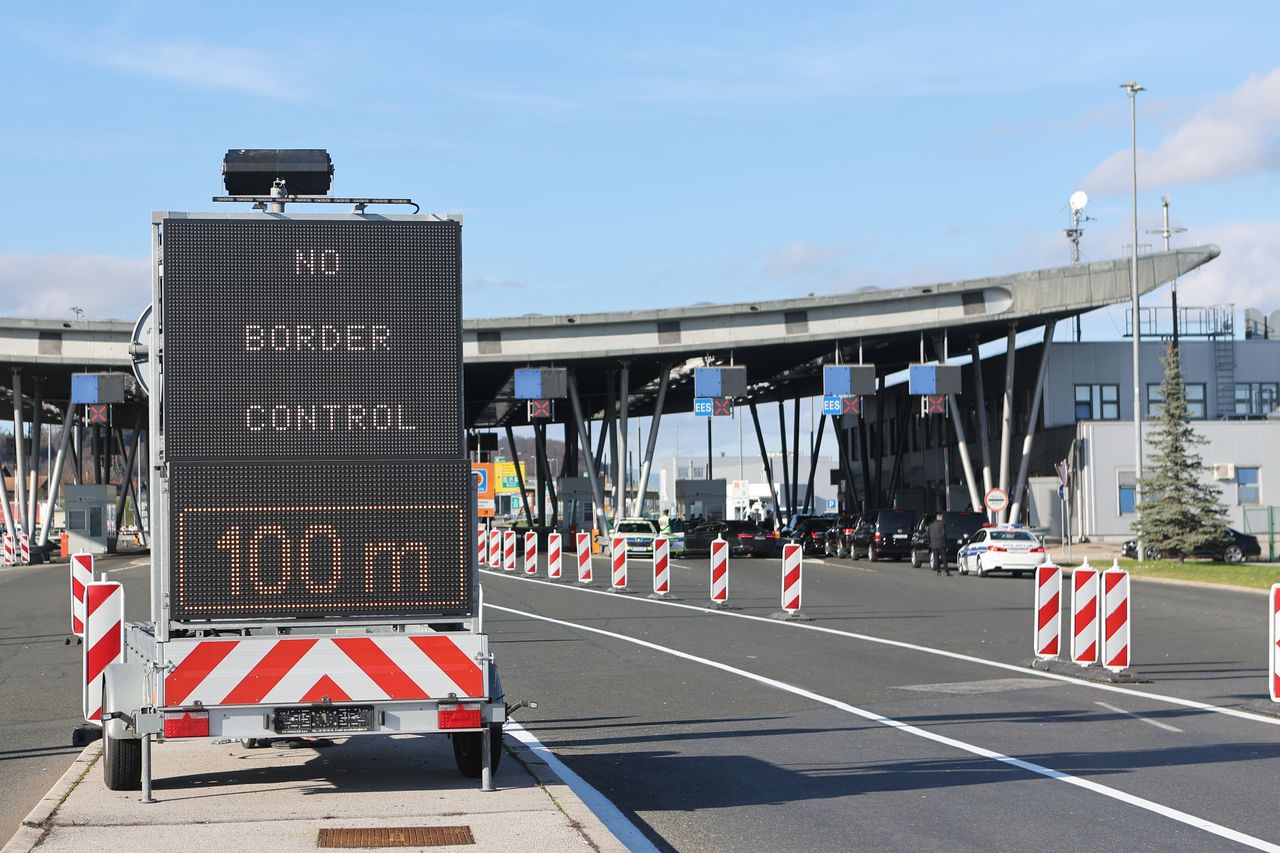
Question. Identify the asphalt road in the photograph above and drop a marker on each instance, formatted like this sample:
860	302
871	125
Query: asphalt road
859	744
899	718
40	677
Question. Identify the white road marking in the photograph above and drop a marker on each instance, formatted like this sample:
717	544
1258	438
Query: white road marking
600	805
1088	785
1156	723
991	685
1022	670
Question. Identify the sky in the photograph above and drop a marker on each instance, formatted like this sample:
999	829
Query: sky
619	156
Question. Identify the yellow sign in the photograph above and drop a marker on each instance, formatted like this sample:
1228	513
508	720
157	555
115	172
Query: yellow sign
505	481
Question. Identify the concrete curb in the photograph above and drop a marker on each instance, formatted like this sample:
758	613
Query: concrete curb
1067	571
593	831
35	824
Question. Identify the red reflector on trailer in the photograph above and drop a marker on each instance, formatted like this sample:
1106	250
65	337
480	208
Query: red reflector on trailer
186	724
460	717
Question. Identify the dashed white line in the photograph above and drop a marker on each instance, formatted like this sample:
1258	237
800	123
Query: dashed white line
1156	723
1040	770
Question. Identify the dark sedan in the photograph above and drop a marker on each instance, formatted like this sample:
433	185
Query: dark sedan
1233	547
744	539
959	527
810	533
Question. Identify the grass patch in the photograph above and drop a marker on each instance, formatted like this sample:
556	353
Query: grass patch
1247	575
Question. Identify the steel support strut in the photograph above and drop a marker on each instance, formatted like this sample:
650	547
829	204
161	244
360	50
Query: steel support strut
1006	420
1015	503
975	501
515	457
624	395
984	434
768	467
643	485
55	479
593	475
19	450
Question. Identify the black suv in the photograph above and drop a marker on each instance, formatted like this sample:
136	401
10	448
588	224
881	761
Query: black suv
884	533
959	526
809	532
839	537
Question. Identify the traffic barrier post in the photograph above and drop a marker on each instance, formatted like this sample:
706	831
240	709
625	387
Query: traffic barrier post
81	575
584	558
1084	614
719	572
1048	610
554	556
10	554
1117	650
792	559
103	641
508	550
1273	634
618	553
661	567
531	553
495	548
482	545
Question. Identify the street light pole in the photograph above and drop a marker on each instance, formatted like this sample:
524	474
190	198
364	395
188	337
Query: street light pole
1133	88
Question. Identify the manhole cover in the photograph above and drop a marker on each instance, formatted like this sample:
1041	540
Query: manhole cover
396	836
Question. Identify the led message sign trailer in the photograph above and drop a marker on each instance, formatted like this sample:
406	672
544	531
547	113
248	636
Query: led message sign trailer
313	418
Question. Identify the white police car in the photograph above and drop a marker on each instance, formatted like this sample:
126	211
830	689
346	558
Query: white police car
640	533
1008	548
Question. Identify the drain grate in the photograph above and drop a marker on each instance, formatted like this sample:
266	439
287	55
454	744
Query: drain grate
396	836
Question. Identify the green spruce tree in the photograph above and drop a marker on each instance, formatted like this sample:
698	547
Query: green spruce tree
1180	510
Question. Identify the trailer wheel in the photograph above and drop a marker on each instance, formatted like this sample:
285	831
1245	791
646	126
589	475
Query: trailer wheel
122	763
466	750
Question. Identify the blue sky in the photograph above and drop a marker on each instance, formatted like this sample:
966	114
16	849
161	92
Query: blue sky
613	156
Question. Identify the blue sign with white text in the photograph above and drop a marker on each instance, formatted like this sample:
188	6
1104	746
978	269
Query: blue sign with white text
703	407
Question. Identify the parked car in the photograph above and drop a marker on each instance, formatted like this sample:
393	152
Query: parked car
839	536
959	527
810	533
1007	548
676	537
640	533
884	533
1233	547
744	538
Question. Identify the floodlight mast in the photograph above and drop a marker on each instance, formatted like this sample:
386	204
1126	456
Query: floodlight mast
1133	88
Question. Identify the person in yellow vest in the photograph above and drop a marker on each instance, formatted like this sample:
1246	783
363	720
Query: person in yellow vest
664	524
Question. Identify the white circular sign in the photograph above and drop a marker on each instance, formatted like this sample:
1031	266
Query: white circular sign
996	500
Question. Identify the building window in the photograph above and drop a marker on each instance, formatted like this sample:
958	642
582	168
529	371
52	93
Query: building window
1247	488
1256	398
1127	494
1097	402
1194	392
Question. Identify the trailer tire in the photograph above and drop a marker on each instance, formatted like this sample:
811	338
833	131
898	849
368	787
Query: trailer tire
466	750
122	763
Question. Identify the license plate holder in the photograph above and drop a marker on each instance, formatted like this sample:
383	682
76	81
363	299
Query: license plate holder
323	719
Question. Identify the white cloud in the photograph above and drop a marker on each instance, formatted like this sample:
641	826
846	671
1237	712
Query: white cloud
1246	274
104	287
1237	134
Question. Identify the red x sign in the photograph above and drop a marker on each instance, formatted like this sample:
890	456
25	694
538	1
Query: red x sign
851	405
98	414
935	404
721	405
540	409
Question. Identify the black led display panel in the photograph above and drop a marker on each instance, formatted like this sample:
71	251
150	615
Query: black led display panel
266	540
312	415
321	340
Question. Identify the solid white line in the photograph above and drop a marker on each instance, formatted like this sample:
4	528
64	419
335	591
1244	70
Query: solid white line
613	819
1053	676
1156	723
1088	785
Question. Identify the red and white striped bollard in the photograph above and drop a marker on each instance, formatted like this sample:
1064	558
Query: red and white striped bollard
661	566
1273	634
792	558
10	554
81	575
508	550
24	549
1084	614
584	557
495	548
618	555
531	553
103	640
1048	610
482	545
719	571
554	556
1116	648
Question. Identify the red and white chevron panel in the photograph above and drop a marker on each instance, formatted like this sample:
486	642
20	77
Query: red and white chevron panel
719	570
275	671
9	556
555	556
24	549
1084	615
103	640
531	553
1048	610
792	557
1273	658
81	574
495	549
618	553
584	558
508	550
1116	649
661	565
482	545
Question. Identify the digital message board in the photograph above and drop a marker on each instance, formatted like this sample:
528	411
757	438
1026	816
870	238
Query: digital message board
312	413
